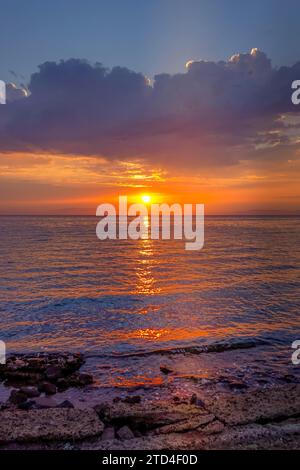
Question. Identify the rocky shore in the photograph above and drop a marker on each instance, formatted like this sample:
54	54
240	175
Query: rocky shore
32	417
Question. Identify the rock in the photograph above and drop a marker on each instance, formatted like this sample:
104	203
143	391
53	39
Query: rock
125	433
53	373
62	384
108	434
66	404
215	427
132	399
196	401
19	363
45	402
165	370
238	386
68	446
22	376
48	388
74	380
185	425
85	379
37	363
150	415
193	399
289	378
30	391
34	368
17	397
52	424
276	436
101	410
259	406
27	405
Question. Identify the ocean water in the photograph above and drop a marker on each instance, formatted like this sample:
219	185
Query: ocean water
63	289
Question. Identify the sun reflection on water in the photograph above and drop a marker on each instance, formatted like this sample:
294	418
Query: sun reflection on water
146	284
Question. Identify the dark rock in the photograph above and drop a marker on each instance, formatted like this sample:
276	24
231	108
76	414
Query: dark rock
85	379
78	380
31	369
30	391
101	410
165	369
37	363
53	373
17	364
17	397
132	400
108	434
193	399
125	433
27	405
66	404
62	384
238	386
48	388
289	378
196	401
22	376
116	400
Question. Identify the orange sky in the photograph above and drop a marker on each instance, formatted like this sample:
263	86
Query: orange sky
62	184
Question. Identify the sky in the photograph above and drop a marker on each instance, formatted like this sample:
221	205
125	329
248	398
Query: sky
221	130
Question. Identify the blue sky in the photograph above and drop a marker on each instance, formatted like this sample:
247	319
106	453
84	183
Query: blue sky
147	36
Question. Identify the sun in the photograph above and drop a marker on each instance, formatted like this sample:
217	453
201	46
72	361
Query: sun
146	198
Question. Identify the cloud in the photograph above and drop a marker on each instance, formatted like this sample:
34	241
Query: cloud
15	93
215	113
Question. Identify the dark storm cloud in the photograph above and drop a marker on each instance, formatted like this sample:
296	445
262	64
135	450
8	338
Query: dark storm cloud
79	108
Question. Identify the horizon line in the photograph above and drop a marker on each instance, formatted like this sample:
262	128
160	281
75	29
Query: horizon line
241	214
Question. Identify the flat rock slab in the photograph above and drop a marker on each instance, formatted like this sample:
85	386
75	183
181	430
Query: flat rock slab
251	436
49	424
261	406
150	415
200	421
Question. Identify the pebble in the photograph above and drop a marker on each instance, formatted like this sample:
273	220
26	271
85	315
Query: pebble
132	400
165	369
17	397
66	404
108	434
27	405
48	388
125	433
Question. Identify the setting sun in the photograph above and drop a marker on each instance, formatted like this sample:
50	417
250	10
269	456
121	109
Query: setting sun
146	198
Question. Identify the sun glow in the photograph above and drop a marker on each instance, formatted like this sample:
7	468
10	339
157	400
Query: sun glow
146	198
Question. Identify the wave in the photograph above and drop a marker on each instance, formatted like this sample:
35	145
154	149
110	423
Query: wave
216	347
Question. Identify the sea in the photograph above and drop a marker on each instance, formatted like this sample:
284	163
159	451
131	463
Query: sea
226	314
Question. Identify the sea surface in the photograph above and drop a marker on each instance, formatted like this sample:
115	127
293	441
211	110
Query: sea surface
233	306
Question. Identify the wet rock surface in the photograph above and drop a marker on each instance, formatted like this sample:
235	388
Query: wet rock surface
237	418
32	369
42	374
261	406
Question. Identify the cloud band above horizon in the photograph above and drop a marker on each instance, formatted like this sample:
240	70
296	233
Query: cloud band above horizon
215	113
